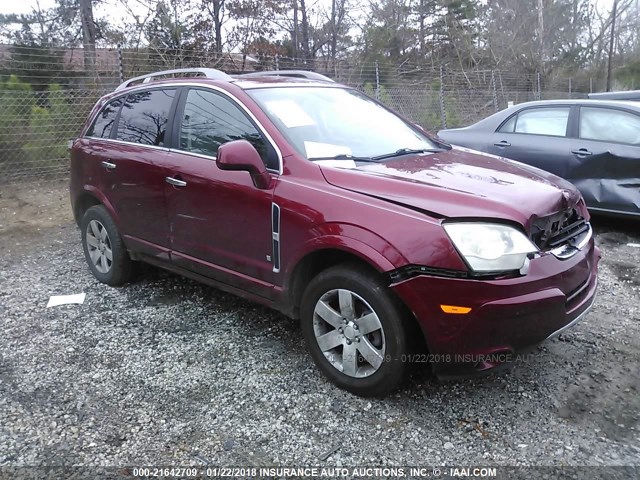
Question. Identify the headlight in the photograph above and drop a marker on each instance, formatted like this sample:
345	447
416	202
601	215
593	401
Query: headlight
490	247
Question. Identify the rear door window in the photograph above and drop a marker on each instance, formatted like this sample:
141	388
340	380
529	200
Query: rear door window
144	117
609	125
103	123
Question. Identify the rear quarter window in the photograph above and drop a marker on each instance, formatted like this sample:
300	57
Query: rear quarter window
103	124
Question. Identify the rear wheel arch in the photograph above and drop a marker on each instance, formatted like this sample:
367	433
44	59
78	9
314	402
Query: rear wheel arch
83	203
88	198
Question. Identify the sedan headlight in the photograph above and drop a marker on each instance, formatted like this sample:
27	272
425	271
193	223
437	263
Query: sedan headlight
490	247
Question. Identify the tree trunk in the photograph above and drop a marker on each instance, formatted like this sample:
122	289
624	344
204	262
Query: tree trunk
334	31
88	36
305	31
541	34
294	35
217	23
613	33
422	16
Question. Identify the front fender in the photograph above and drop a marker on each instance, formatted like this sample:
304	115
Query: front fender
352	239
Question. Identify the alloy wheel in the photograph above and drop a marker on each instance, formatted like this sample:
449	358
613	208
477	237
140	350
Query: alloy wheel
99	246
349	333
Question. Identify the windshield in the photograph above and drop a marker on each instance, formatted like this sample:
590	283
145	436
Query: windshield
339	123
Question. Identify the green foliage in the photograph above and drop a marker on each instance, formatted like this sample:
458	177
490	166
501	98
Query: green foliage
50	128
16	102
423	110
34	126
382	95
628	77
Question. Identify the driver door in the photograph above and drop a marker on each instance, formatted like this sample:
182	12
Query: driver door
220	223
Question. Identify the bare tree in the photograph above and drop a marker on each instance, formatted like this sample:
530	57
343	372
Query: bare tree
216	10
88	35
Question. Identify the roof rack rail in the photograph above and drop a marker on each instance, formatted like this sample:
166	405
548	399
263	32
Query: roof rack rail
205	72
289	73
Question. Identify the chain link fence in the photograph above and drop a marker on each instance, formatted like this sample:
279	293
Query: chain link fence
46	94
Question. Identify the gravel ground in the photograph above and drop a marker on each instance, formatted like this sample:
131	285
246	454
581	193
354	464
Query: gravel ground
165	371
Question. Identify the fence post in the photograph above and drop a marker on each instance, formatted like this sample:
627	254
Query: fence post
569	87
590	84
495	92
539	92
120	66
277	62
377	82
443	110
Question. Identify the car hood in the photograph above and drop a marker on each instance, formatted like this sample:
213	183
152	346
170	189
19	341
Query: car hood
461	183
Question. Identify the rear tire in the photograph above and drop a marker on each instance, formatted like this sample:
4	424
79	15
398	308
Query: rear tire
103	247
355	330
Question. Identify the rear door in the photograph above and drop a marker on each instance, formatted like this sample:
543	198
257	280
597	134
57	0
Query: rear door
536	136
607	158
92	154
220	223
134	167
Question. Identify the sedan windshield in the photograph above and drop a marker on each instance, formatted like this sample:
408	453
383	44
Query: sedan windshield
340	124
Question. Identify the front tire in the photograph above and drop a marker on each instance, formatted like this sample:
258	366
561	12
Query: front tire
103	247
354	328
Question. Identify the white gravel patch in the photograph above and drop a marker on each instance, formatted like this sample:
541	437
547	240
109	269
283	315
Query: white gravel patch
165	371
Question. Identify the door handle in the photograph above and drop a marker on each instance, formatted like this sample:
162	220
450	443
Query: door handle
109	165
176	182
502	143
583	152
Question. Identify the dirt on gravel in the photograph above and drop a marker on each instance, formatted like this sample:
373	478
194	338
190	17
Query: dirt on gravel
165	371
27	210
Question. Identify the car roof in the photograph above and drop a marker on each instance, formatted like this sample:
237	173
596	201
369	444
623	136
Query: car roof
619	95
246	81
580	101
253	82
497	118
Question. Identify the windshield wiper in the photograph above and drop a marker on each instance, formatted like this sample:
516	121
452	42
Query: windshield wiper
407	151
345	156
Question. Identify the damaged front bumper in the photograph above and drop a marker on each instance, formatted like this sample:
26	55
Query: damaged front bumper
506	316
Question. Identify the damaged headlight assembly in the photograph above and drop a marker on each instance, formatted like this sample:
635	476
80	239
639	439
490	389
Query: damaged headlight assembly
491	247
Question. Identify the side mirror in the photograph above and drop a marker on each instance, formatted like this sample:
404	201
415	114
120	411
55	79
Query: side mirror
241	155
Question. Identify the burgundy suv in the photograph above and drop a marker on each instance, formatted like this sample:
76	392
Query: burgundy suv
313	199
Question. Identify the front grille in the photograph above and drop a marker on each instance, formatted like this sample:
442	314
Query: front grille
554	230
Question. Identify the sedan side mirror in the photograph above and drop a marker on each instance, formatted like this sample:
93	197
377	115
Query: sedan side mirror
241	155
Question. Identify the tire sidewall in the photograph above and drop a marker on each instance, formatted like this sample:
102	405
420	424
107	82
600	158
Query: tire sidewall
393	368
118	271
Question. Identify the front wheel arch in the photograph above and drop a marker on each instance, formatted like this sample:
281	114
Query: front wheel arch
322	253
